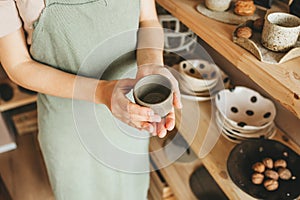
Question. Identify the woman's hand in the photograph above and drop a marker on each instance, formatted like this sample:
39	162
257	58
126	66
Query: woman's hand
114	93
167	123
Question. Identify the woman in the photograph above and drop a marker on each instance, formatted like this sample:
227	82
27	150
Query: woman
61	34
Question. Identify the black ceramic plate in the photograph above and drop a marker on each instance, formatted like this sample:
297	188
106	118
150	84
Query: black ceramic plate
245	154
204	186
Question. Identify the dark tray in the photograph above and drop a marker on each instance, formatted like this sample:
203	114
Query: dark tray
245	154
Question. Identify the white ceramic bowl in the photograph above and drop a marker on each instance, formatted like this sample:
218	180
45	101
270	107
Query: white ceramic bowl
200	75
245	130
236	139
245	108
239	137
265	132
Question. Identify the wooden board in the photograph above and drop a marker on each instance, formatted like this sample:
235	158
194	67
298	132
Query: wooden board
19	98
281	81
26	122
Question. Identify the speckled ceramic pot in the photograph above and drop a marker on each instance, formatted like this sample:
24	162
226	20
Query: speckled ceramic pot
280	31
217	5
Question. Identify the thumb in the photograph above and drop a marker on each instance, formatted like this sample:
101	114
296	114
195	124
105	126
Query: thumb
127	84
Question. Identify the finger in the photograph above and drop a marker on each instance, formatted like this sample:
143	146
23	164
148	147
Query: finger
153	128
161	130
170	120
177	100
154	133
147	118
134	126
147	126
126	84
175	88
177	96
140	113
142	126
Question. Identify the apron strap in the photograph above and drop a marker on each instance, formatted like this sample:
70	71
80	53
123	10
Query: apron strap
74	2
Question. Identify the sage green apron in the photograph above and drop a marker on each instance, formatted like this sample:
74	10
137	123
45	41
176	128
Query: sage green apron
84	37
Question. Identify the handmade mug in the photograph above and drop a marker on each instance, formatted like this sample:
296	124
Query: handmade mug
217	5
280	31
154	91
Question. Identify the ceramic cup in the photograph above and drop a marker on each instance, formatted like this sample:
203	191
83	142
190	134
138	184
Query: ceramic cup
280	31
154	91
217	5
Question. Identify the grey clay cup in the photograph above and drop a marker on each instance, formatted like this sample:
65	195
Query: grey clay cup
154	91
280	32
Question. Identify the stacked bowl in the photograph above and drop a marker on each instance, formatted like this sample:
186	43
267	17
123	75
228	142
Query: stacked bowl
199	79
244	114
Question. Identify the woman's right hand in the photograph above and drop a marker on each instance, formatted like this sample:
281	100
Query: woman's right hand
114	97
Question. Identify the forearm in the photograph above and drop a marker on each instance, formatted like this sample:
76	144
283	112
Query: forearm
44	79
38	77
150	43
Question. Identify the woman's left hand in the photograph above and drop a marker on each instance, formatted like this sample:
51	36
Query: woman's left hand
167	123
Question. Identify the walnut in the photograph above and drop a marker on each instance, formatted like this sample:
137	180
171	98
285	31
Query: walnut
257	178
280	163
271	174
258	167
284	173
268	162
244	8
244	32
258	24
271	184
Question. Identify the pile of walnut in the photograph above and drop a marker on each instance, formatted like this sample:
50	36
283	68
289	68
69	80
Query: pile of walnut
269	172
246	31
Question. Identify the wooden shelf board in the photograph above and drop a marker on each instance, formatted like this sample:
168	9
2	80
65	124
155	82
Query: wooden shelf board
19	99
177	174
159	189
280	81
7	142
214	151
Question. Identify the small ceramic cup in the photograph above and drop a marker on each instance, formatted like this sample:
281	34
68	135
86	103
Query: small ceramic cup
154	91
280	31
217	5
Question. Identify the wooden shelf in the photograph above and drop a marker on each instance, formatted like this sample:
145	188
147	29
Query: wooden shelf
195	121
213	150
7	142
281	81
19	99
176	174
159	189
